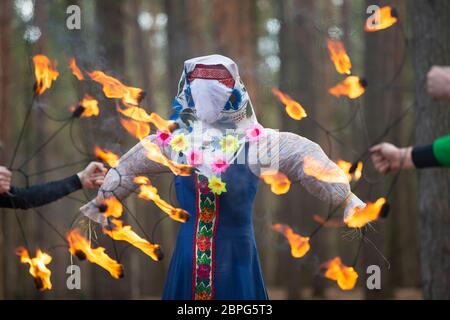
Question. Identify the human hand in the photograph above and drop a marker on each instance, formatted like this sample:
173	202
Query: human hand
438	82
93	175
5	179
388	158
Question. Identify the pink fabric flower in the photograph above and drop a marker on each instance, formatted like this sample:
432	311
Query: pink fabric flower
195	157
163	137
254	132
220	164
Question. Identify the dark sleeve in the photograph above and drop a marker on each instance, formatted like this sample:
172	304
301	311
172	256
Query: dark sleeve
40	194
423	157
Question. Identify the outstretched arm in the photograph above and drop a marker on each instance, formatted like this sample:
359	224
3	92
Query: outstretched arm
119	180
303	160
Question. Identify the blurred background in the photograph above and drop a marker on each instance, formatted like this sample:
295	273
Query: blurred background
281	44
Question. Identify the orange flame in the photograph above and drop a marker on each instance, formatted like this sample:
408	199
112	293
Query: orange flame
121	233
293	108
45	73
346	166
79	246
299	245
154	153
113	88
352	87
149	192
111	207
137	129
38	269
139	114
339	57
318	170
382	19
90	107
358	217
345	276
107	156
327	223
278	181
75	70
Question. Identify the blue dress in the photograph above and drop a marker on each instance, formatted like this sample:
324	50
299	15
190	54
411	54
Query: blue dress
215	255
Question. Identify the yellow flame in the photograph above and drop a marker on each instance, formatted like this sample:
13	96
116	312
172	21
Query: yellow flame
299	245
38	268
107	156
358	218
149	192
137	129
45	73
75	70
339	57
79	246
351	87
278	181
346	166
90	106
121	233
293	108
345	277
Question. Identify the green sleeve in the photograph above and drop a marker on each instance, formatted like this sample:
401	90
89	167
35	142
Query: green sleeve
441	150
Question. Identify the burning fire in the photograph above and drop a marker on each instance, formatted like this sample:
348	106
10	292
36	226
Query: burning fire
344	276
382	19
75	70
339	57
139	114
318	170
299	245
45	73
111	207
88	107
107	156
118	232
359	217
352	87
79	246
278	181
293	108
154	153
38	268
137	129
149	192
113	88
347	167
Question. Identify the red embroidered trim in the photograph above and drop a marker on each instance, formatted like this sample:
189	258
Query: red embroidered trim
194	248
213	248
212	72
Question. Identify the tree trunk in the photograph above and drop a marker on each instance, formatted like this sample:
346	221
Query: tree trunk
431	24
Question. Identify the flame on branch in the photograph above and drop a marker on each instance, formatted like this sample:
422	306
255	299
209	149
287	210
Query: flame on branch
111	207
107	156
149	192
88	107
345	277
75	70
139	114
45	73
38	267
359	217
347	168
154	153
382	19
278	181
293	108
320	171
299	245
117	231
114	89
79	246
352	87
339	56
